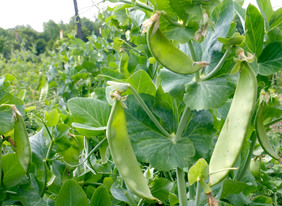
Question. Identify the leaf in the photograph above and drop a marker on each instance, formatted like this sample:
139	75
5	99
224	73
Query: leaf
200	131
174	83
208	94
52	118
71	194
101	197
13	171
118	192
149	144
180	8
142	83
89	112
225	17
29	195
270	60
276	19
181	34
160	188
266	9
198	172
235	187
6	119
254	26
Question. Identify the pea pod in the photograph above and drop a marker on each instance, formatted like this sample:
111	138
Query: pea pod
123	154
1	142
255	167
167	54
261	133
234	130
23	150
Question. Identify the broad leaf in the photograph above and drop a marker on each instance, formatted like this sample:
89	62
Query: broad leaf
200	131
71	194
101	197
160	188
90	112
52	118
270	60
266	9
13	171
208	94
254	26
235	187
225	17
6	119
150	145
276	19
174	83
142	83
198	172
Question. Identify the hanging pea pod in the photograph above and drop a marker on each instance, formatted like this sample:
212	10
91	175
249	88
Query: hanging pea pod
234	130
165	52
123	154
23	150
261	133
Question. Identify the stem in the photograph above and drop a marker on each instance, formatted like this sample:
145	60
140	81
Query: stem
142	6
273	122
191	187
175	23
135	50
192	50
181	187
218	66
148	111
249	157
90	153
183	123
198	194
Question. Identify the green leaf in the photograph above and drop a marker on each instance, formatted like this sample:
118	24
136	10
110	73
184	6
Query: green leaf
71	194
270	60
163	5
29	195
118	192
266	9
200	131
225	11
13	171
89	112
235	187
149	144
101	197
262	200
208	94
173	199
174	83
142	83
198	172
276	19
52	118
181	34
6	119
160	188
254	26
180	8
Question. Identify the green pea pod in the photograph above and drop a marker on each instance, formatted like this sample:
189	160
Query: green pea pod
123	67
261	133
23	150
1	142
234	130
167	54
123	154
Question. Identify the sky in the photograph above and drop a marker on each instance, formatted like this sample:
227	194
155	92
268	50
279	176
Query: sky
36	12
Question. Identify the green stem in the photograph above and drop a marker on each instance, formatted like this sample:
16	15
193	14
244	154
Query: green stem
192	50
183	123
249	157
175	23
90	153
181	187
135	50
273	122
198	194
10	192
148	111
142	6
218	66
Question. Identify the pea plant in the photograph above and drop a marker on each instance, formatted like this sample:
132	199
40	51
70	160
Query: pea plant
174	104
